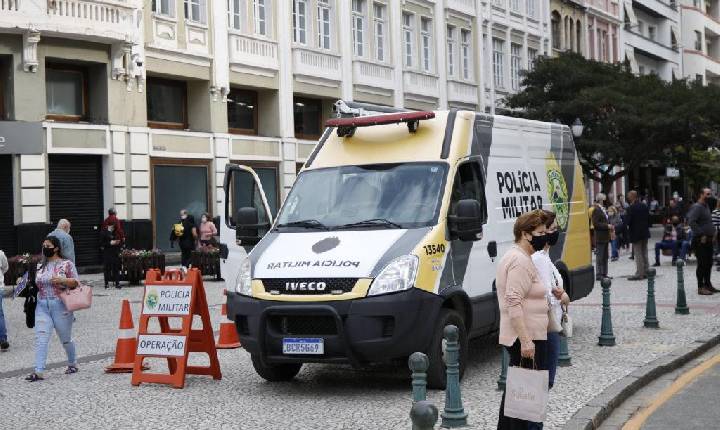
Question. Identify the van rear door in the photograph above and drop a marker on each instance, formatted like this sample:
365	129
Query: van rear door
245	219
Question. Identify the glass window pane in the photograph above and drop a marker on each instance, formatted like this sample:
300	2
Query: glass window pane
308	114
169	198
241	108
64	92
165	101
269	180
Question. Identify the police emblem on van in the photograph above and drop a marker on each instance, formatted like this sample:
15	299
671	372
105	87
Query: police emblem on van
558	194
326	245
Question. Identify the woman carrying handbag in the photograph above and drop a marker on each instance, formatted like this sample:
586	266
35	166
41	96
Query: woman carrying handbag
54	276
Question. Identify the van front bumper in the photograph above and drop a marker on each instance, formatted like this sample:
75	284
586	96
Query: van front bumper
359	331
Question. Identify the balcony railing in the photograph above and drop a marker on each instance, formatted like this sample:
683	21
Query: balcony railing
253	51
373	74
420	83
462	92
315	63
94	19
465	6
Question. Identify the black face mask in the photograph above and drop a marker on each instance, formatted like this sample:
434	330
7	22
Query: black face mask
538	242
552	238
48	252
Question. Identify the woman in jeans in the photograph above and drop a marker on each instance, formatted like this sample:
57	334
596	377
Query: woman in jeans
54	275
555	293
523	302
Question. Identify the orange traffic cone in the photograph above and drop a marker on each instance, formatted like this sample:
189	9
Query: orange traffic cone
126	343
228	338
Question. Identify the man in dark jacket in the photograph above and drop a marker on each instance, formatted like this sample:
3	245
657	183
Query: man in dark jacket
602	236
185	233
700	221
638	222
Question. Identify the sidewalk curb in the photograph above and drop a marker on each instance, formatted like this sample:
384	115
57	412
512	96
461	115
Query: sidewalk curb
597	410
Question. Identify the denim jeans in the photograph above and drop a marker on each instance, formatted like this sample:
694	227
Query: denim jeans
3	327
614	248
663	245
49	314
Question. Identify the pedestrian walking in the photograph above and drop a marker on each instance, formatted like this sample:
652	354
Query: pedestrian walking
615	220
111	244
554	292
700	221
638	224
602	236
523	303
4	345
185	233
62	232
55	273
716	224
207	230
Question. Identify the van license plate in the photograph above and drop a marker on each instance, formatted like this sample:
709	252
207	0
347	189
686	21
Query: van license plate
303	345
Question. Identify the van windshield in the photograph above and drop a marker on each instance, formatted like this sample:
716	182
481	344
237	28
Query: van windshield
371	197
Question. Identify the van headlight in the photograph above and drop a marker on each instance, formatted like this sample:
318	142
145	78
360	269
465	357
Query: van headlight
243	281
398	275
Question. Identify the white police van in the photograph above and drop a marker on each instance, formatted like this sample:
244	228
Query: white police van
390	233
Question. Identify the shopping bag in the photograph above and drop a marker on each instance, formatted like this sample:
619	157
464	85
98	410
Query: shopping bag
526	394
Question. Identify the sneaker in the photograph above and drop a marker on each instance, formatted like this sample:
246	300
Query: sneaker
34	377
4	345
71	369
704	292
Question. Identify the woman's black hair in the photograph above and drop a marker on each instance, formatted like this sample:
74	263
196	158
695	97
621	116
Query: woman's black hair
56	244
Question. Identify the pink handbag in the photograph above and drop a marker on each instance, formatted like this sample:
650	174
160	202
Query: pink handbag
77	299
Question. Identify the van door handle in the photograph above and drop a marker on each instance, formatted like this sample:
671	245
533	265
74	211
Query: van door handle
492	249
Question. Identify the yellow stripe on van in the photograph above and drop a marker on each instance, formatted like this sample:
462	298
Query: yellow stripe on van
576	253
359	290
432	253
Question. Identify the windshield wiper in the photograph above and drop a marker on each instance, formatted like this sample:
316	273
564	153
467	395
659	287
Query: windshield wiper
306	223
371	222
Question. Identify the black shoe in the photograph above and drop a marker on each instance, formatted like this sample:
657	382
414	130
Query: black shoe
632	258
106	286
33	377
4	345
657	264
117	286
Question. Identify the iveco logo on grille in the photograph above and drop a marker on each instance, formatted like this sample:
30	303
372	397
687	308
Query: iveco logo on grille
305	286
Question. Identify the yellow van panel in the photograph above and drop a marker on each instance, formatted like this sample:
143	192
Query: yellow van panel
577	253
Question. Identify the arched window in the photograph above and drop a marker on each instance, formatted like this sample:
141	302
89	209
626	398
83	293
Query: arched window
555	29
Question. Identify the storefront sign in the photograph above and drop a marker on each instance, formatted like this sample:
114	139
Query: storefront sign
161	345
167	300
672	172
18	137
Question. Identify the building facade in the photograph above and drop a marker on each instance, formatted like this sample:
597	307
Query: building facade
701	40
139	105
568	26
651	36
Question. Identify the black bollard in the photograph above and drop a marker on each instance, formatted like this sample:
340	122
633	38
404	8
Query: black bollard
607	338
418	363
681	306
651	320
424	415
453	415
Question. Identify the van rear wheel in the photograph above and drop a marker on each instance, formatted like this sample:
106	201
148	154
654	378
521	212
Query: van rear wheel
436	376
275	372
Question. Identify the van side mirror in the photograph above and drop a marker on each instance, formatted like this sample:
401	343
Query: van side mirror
467	223
247	226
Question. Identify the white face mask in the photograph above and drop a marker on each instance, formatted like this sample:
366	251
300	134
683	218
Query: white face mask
203	219
183	216
111	229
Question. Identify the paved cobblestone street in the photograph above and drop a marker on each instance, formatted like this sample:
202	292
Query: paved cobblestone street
326	396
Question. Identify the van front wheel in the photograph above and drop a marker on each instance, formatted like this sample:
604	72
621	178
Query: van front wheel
436	376
275	372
